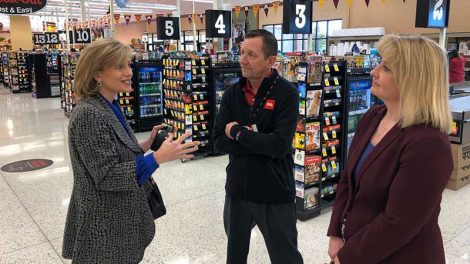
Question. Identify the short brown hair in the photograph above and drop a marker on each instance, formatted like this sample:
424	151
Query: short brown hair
269	41
99	55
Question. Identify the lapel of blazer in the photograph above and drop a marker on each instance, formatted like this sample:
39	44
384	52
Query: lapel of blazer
129	140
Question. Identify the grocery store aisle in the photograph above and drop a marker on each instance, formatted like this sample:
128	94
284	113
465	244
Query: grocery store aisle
33	205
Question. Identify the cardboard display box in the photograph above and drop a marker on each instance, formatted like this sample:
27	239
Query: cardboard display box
461	174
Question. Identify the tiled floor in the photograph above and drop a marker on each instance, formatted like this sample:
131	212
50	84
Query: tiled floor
33	205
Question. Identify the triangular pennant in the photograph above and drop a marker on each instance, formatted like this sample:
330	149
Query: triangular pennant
194	18
383	1
237	11
138	17
190	18
336	3
348	3
255	10
116	18
276	6
149	19
367	2
266	10
322	3
201	17
127	18
246	11
404	1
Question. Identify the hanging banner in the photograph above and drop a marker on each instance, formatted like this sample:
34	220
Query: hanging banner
275	6
348	3
138	17
149	19
246	9
322	3
297	17
190	18
14	7
336	3
255	10
266	10
237	11
367	2
201	17
194	18
127	18
116	18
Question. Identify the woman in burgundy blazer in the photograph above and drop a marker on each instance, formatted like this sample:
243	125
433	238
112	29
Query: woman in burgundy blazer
389	194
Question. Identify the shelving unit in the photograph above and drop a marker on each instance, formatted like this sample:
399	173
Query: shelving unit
187	99
19	79
319	134
45	74
5	69
69	64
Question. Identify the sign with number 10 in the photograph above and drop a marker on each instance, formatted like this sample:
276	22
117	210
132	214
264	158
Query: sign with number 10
80	36
297	17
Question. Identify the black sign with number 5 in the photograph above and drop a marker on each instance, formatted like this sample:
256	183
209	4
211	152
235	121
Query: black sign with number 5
80	36
297	17
46	38
218	24
168	28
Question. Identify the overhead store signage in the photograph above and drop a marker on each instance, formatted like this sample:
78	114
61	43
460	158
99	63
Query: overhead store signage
168	28
297	17
80	36
46	38
21	7
218	24
432	13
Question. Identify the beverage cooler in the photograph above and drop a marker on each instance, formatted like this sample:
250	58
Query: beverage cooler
223	77
147	85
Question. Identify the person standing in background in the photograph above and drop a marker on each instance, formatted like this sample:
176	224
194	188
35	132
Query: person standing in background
456	67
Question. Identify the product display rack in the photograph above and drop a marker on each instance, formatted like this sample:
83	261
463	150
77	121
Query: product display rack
318	139
20	81
45	74
5	69
69	63
187	100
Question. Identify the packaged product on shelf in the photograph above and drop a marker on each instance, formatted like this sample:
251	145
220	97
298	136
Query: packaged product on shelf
314	69
313	103
299	173
300	125
299	157
312	169
312	136
302	107
302	88
299	140
311	197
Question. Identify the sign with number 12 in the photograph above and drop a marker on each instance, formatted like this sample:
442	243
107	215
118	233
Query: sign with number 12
297	17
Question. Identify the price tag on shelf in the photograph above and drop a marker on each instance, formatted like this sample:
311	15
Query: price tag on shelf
333	134
324	152
336	81
327	121
194	62
327	82
127	101
195	96
327	68
121	102
195	118
201	117
325	136
203	62
195	128
129	109
336	67
195	107
334	120
204	126
323	167
194	71
333	150
201	107
333	164
338	93
203	71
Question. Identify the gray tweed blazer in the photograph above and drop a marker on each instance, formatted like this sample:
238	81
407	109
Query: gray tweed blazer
108	219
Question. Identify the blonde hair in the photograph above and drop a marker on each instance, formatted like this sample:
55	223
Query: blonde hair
420	70
99	55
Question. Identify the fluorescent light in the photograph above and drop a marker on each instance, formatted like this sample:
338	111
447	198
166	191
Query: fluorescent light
200	1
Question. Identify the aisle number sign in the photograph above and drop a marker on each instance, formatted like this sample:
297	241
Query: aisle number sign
80	36
432	13
218	24
168	28
21	7
297	17
46	38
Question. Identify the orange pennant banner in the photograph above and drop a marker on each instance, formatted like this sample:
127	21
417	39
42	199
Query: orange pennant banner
256	10
237	11
276	6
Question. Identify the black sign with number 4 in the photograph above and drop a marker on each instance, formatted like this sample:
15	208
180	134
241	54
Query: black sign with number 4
46	38
80	36
168	28
297	17
218	24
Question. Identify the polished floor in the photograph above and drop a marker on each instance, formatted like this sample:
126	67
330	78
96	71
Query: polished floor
33	205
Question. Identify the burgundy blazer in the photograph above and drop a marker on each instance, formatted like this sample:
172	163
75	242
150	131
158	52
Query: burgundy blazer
391	214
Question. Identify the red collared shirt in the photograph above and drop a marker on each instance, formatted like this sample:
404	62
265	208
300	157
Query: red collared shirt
248	91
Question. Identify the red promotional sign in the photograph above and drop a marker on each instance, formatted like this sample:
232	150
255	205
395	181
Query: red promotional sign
21	7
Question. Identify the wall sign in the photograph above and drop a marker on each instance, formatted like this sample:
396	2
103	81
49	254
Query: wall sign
21	7
27	165
80	36
432	13
218	24
46	38
168	28
297	17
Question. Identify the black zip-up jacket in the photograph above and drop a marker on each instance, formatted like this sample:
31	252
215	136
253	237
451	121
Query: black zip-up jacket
260	167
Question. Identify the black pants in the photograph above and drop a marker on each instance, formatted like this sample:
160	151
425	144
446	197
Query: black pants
277	223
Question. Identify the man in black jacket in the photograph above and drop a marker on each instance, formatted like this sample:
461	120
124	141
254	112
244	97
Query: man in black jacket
255	126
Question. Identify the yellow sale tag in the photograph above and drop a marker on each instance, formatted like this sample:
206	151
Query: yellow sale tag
194	71
202	117
194	63
327	68
203	62
129	109
336	81
127	101
325	136
336	67
195	128
454	126
195	118
195	107
121	102
201	107
323	167
333	164
333	150
333	134
327	83
204	126
324	153
203	71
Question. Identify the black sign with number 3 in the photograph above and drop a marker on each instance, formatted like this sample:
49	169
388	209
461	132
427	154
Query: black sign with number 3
218	24
297	17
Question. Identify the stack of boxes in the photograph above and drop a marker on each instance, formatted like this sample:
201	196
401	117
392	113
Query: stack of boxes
461	173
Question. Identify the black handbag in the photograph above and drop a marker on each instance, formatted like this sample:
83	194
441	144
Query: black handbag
155	200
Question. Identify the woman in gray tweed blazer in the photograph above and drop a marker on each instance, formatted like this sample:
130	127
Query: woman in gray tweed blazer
109	219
